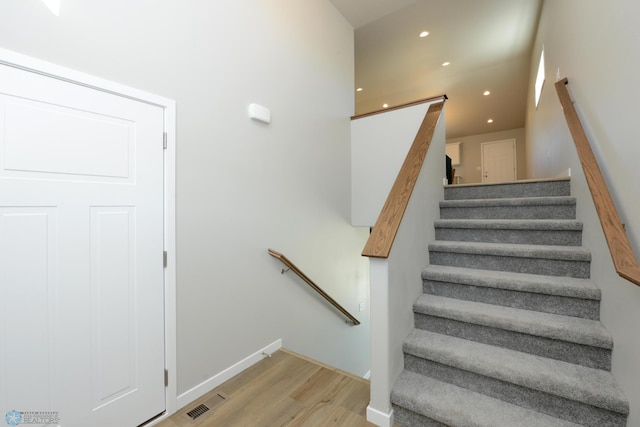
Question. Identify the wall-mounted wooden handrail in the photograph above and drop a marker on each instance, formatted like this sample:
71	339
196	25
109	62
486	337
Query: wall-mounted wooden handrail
622	254
384	231
283	259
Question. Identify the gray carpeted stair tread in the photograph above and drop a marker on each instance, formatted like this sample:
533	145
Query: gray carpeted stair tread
509	317
568	253
511	231
455	406
515	201
523	282
511	224
547	187
553	326
588	386
554	207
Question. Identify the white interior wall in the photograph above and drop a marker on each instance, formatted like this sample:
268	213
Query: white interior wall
242	186
471	154
595	45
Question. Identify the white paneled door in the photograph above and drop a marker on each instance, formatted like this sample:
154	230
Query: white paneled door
498	161
81	244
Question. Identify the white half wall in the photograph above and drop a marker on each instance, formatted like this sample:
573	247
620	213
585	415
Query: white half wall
242	186
379	145
396	281
594	44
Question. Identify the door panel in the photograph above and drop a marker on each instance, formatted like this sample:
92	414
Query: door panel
113	289
27	320
498	161
75	142
81	242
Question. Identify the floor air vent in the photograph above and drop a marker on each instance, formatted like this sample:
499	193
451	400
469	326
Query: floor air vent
205	407
198	411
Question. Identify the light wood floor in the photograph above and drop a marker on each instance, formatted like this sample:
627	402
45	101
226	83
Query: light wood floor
284	390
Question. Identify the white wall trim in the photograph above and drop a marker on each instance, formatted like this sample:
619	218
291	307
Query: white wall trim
213	382
564	174
379	418
30	64
170	275
38	66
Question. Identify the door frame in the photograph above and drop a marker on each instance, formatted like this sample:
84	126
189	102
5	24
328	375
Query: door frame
514	152
30	64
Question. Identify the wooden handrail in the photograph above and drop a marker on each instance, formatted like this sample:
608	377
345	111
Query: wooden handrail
315	287
397	107
622	254
384	231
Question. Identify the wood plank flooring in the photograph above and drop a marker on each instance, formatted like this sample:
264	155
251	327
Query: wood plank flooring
286	389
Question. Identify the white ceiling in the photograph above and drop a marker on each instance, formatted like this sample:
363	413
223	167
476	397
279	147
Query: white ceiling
487	42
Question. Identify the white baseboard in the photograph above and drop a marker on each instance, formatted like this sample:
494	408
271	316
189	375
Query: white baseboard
379	418
367	376
213	382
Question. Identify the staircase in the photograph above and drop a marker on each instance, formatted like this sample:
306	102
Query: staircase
507	330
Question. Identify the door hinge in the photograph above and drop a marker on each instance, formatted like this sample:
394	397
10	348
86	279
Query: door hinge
164	259
164	140
166	377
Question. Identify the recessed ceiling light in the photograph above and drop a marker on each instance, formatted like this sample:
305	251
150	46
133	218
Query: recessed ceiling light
385	105
490	121
486	93
424	34
359	89
444	64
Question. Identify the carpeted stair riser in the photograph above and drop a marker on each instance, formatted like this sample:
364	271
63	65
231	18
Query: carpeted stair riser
519	208
502	233
507	330
556	304
585	355
577	383
560	407
407	418
421	401
509	190
571	339
550	267
548	294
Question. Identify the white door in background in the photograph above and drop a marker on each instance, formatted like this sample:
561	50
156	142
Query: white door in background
498	161
81	243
